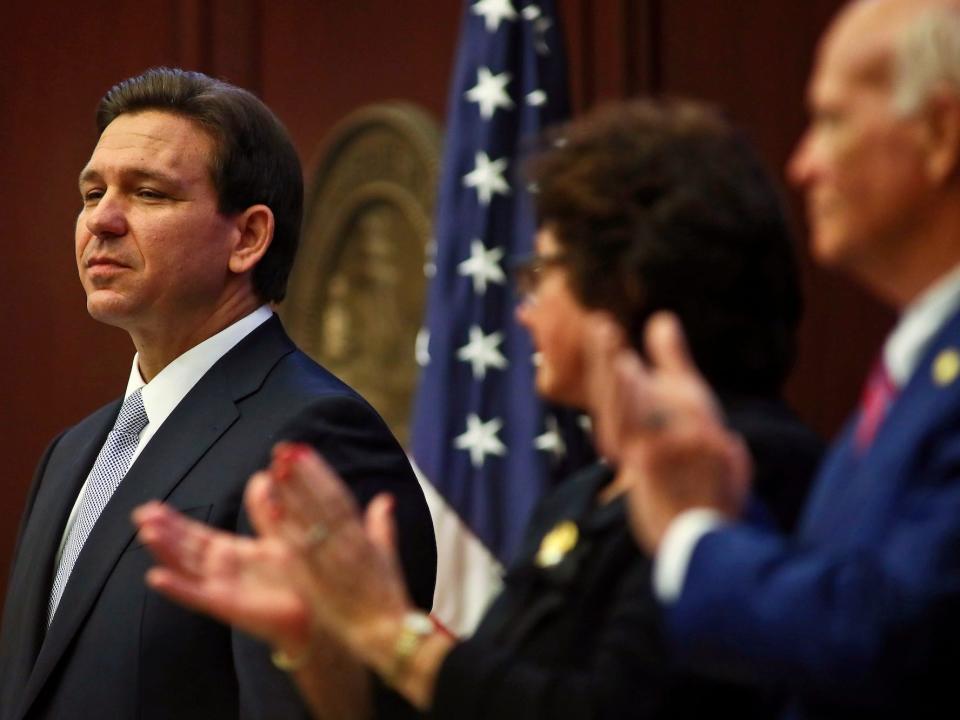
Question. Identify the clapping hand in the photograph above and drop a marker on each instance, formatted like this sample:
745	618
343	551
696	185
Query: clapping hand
317	565
659	423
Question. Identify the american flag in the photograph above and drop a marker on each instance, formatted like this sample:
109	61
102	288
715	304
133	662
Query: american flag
480	435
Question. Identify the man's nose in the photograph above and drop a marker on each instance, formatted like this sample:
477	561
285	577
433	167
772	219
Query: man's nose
800	164
107	218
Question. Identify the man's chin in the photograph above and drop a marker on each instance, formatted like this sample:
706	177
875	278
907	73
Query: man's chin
107	308
829	248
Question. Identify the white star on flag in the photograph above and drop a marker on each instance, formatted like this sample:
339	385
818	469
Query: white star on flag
487	177
422	347
531	12
537	98
490	92
430	258
482	352
481	439
540	27
494	11
483	265
551	441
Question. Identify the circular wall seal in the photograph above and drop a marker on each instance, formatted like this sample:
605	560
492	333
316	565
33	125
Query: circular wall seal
356	295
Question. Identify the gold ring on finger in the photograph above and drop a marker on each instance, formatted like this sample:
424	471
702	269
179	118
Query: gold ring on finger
316	534
656	420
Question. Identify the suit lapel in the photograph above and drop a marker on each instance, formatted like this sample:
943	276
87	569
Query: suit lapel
201	418
67	468
833	482
927	397
848	479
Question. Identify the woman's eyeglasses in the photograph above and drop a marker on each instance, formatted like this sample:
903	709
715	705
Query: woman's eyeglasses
528	273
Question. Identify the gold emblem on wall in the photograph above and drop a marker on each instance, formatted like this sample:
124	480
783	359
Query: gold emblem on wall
357	292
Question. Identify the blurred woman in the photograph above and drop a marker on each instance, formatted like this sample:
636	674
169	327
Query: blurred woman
643	207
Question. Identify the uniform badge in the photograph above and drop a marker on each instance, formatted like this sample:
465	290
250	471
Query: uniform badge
946	367
557	543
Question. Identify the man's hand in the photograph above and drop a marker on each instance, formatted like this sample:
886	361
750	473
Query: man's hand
680	469
629	397
659	422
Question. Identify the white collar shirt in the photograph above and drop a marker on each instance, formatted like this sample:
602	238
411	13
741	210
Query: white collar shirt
918	323
164	392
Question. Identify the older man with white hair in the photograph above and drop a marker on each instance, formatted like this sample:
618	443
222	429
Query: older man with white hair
859	614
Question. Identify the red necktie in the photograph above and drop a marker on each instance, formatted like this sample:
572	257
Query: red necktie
878	394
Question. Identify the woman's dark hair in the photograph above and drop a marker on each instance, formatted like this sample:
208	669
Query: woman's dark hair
254	161
663	205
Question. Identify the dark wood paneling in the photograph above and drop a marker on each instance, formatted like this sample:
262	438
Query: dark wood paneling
235	42
614	49
644	50
192	29
753	58
57	364
314	61
323	59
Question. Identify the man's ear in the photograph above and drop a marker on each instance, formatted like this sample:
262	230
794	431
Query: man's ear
254	235
941	118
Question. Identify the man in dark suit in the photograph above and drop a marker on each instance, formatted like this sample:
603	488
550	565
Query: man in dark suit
859	614
191	211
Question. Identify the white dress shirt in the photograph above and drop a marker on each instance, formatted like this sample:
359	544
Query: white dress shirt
902	351
162	394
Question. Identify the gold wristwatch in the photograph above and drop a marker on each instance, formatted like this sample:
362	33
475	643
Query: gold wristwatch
417	627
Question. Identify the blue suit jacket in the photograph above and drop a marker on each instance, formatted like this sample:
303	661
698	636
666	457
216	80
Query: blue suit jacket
860	613
118	650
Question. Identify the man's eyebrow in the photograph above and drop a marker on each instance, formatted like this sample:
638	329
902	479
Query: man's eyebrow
91	175
88	175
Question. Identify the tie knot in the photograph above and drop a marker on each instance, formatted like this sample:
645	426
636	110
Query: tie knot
880	385
133	417
878	395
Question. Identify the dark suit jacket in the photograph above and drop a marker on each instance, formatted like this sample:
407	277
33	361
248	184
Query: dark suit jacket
117	650
859	616
583	639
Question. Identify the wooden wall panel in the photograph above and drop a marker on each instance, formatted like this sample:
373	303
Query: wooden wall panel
754	58
614	49
57	364
323	59
314	61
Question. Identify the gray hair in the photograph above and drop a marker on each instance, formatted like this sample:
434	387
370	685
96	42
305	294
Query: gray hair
927	56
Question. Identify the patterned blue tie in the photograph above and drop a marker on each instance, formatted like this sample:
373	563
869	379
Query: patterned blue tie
111	465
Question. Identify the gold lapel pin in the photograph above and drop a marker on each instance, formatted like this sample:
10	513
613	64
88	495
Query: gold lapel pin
946	367
557	543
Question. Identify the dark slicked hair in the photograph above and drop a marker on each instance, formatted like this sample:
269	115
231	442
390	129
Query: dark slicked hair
663	205
254	160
